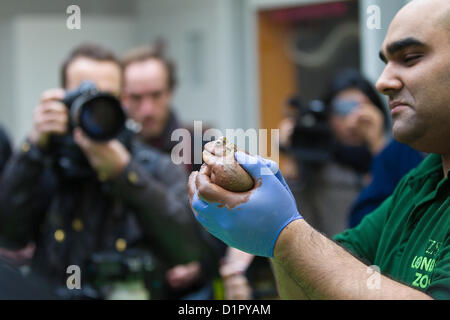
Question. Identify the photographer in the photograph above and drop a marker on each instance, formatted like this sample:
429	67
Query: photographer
108	207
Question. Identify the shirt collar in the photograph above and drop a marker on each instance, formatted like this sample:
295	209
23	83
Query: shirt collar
428	182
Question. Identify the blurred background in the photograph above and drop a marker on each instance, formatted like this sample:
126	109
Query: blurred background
237	60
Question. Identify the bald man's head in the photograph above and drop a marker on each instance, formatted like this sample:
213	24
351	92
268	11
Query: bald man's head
434	11
442	12
445	19
416	78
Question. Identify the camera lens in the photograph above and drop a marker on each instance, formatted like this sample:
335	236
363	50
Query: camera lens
99	114
102	117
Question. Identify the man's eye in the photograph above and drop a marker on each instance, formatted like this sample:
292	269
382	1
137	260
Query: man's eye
411	58
156	95
135	97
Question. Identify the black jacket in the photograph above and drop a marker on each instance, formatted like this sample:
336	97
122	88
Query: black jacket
5	149
14	286
146	207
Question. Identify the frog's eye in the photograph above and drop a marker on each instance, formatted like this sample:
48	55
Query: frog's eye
221	141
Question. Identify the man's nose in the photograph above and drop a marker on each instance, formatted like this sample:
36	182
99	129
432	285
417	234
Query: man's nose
389	81
147	106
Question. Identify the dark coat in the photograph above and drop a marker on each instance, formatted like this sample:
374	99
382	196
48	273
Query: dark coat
146	207
5	149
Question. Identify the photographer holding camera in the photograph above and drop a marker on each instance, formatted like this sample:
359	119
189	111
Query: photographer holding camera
89	194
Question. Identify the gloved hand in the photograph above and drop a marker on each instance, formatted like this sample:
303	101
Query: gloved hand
249	221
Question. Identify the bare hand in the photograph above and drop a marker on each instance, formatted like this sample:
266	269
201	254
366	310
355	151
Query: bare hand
368	121
19	257
50	117
232	271
237	288
235	262
109	158
287	127
182	276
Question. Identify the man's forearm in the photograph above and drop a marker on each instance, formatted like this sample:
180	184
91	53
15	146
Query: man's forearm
288	288
323	270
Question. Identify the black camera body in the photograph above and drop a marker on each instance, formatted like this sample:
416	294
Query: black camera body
100	116
312	138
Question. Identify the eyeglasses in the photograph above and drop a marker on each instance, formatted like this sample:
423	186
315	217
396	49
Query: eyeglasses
344	107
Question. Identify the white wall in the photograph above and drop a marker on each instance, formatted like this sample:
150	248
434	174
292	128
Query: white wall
203	37
6	76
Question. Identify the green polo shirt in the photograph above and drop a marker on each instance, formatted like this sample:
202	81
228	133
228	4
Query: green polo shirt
408	236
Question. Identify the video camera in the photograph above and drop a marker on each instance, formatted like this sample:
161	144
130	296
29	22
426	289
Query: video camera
312	138
100	116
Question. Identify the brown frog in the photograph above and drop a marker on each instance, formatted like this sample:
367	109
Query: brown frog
225	171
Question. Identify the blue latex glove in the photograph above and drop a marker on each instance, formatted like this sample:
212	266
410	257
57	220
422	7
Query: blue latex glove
249	221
